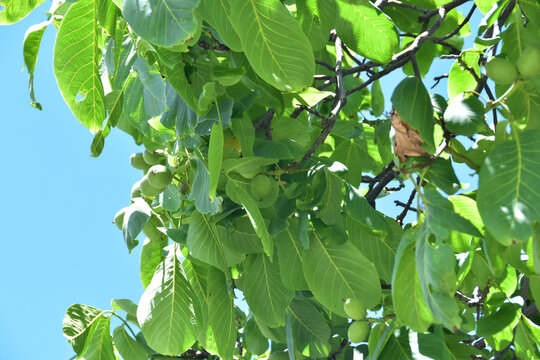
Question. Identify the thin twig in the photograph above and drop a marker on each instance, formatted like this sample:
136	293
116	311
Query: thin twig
339	102
407	207
456	30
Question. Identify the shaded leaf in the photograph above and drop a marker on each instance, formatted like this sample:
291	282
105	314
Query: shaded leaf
221	313
239	193
411	100
409	303
203	241
338	272
310	331
128	347
265	294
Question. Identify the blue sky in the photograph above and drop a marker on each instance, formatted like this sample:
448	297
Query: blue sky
59	245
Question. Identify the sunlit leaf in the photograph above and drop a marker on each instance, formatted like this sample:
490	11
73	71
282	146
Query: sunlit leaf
283	58
76	64
168	311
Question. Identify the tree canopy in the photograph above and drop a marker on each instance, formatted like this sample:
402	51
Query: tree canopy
268	146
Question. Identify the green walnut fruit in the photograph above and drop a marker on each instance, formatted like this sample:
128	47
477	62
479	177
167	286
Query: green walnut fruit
265	190
501	71
279	355
119	218
528	63
355	309
147	189
153	157
137	161
136	190
261	186
159	176
358	331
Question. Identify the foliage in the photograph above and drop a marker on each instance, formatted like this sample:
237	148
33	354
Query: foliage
267	150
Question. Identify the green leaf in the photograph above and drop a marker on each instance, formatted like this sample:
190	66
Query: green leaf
170	198
433	345
435	266
107	14
163	22
366	30
409	303
443	176
354	155
178	80
32	41
128	347
203	241
497	320
126	305
441	216
310	331
151	257
527	339
221	313
265	294
76	64
154	87
484	5
338	272
218	14
255	342
200	189
290	257
412	102
465	115
76	325
114	102
243	238
248	166
215	157
219	114
371	234
135	217
169	312
245	133
99	343
330	208
377	99
240	194
508	198
12	11
135	108
311	14
283	58
460	79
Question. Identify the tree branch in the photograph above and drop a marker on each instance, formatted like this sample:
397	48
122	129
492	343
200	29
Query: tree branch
264	123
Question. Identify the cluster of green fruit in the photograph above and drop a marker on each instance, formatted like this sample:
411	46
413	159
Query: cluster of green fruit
157	176
503	71
359	328
265	190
